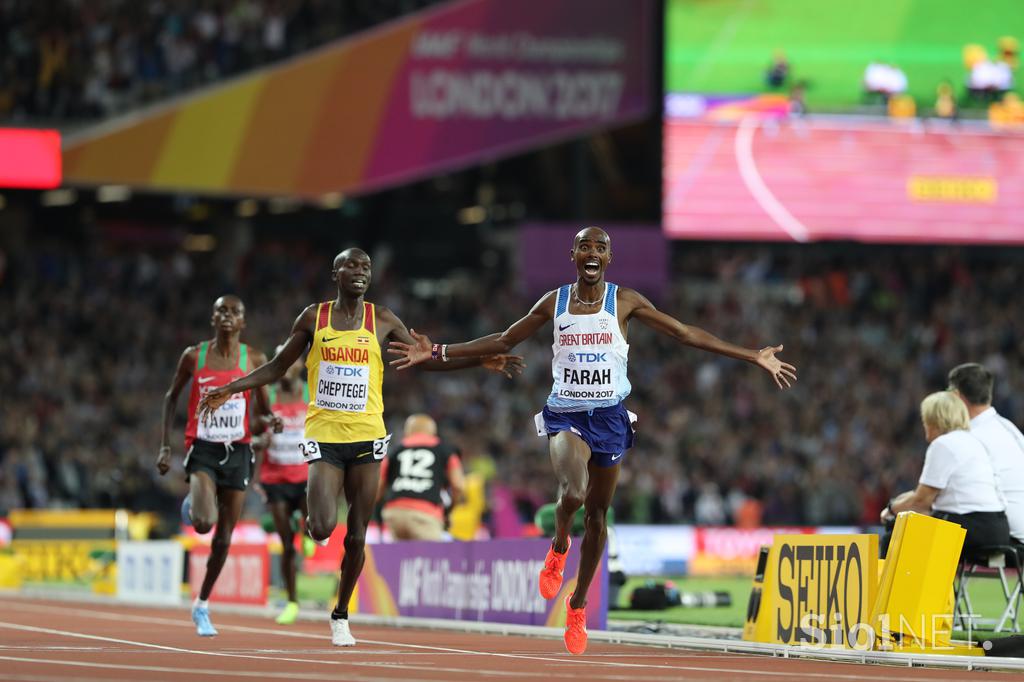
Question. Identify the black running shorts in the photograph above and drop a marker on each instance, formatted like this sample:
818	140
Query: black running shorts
228	464
344	455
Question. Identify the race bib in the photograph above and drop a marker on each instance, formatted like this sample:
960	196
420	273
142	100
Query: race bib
344	388
587	376
226	424
286	447
380	447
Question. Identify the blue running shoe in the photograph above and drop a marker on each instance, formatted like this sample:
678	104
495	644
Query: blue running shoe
201	617
186	511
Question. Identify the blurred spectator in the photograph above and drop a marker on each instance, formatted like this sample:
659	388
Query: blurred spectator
883	80
1009	51
945	102
988	80
973	54
68	59
777	73
797	100
902	107
1007	113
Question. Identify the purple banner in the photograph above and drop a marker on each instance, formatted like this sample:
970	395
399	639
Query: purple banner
492	581
486	78
640	257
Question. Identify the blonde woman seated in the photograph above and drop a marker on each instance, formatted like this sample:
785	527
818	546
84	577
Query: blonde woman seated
957	482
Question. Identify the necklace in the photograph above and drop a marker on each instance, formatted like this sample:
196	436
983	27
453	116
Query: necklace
576	296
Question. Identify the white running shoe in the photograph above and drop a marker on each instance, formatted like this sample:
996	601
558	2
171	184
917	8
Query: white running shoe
322	543
340	634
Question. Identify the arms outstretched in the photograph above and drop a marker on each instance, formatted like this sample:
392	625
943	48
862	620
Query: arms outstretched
644	312
632	305
496	361
419	348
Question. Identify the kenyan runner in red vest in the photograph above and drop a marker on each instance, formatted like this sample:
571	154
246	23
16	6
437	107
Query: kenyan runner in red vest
283	474
218	456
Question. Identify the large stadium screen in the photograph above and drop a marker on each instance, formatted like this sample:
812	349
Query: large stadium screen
740	162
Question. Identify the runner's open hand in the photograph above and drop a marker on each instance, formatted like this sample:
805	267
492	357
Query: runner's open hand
411	354
163	460
504	364
782	372
211	402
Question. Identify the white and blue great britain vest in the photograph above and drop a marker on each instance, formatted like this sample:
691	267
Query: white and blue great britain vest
589	356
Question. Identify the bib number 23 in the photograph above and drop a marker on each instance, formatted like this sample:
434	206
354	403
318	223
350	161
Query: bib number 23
310	450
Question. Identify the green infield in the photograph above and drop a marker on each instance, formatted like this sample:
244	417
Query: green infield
724	46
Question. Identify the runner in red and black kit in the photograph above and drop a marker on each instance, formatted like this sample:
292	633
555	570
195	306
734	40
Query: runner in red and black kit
218	458
420	480
283	474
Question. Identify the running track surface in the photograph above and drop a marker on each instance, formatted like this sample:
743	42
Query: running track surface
42	641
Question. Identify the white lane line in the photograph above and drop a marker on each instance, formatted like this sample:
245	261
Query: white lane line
16	677
13	647
550	659
197	672
744	150
340	661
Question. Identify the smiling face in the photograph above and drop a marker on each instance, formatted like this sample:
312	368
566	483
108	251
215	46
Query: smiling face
591	252
352	272
228	314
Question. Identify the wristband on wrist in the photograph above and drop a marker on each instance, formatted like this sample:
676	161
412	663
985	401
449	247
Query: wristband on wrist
444	352
435	352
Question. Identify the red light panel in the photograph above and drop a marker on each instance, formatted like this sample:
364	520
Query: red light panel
30	159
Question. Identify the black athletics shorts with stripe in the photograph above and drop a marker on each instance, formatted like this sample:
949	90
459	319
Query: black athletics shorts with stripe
228	464
290	493
343	455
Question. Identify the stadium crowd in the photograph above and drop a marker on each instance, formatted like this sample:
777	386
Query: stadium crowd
75	59
89	332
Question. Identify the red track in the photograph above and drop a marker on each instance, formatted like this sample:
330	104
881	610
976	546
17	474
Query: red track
42	641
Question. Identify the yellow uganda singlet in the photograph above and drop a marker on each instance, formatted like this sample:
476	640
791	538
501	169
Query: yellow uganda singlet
345	372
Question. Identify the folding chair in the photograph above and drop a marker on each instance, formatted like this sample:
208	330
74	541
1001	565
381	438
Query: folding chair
990	562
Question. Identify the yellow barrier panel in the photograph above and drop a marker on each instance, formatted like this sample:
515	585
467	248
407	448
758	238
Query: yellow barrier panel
816	590
72	545
913	611
62	518
62	560
11	570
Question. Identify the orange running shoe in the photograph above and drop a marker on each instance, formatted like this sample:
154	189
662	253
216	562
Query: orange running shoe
551	575
575	628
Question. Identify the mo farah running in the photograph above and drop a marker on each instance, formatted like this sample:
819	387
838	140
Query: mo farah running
345	437
588	428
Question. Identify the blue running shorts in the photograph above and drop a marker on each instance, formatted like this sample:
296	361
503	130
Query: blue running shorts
607	431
